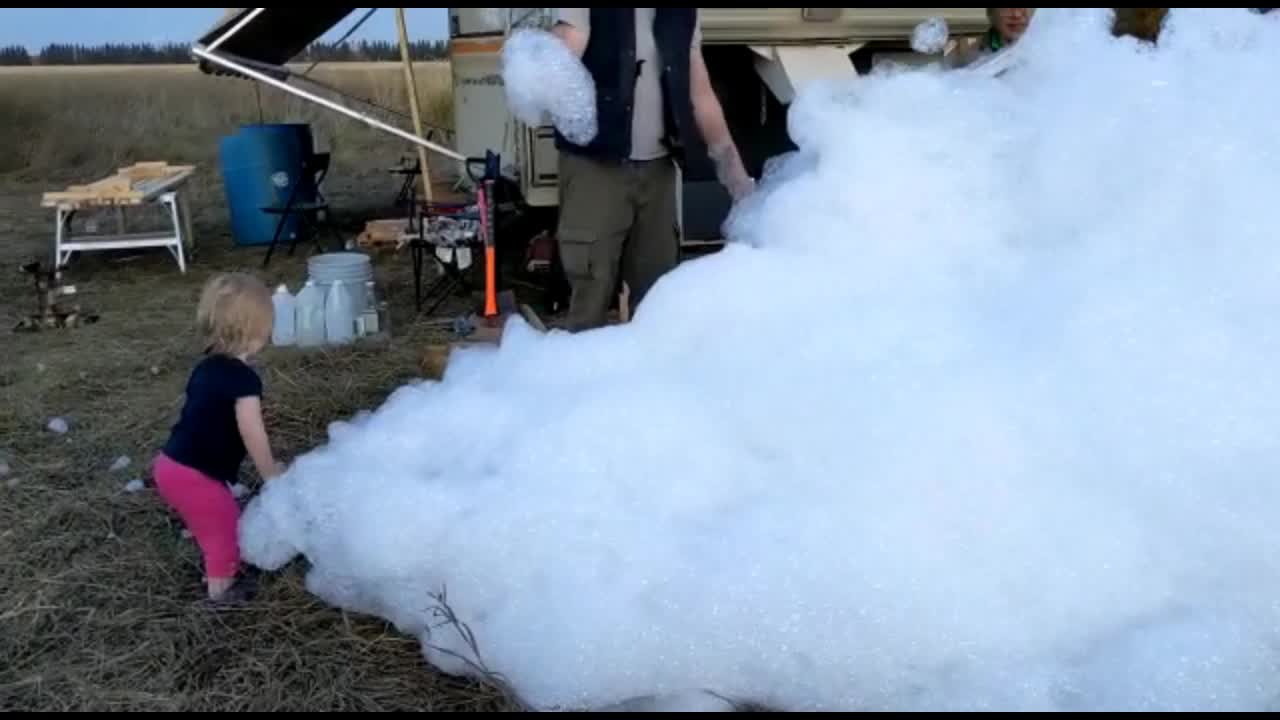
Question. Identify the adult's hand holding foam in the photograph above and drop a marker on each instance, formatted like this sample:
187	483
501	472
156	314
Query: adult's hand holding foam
543	78
930	37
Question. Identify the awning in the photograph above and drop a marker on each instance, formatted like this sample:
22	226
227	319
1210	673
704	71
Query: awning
272	37
257	42
785	69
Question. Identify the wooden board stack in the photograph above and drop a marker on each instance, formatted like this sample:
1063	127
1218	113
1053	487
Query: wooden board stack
134	185
390	234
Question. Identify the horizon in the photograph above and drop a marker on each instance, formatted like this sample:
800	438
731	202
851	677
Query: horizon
36	28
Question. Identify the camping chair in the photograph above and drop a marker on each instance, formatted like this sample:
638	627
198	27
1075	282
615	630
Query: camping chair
455	255
308	212
450	259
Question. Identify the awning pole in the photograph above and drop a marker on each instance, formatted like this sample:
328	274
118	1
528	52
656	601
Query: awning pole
235	28
412	87
337	107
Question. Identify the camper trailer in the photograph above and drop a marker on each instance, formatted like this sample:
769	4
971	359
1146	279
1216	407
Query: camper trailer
758	58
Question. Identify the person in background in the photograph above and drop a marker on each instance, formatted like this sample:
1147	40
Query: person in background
1007	27
220	423
655	104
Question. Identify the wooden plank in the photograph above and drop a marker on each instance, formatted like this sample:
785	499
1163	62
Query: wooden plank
115	183
145	170
388	233
392	228
112	188
531	317
152	188
150	170
71	195
50	199
624	304
133	185
435	359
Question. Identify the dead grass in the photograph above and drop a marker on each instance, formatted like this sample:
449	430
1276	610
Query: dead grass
98	589
74	122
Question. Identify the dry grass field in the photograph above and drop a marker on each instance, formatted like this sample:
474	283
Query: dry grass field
70	121
98	587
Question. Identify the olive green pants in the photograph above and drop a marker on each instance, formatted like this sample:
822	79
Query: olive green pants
617	224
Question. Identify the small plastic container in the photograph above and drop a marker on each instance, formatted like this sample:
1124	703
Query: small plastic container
309	316
339	315
284	322
368	323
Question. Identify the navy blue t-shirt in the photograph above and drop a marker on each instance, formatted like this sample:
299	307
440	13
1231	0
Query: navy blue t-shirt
206	436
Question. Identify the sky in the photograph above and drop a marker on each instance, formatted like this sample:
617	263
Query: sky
37	27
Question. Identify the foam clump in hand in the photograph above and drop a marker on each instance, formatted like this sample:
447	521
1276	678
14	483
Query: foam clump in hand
1023	456
930	37
543	79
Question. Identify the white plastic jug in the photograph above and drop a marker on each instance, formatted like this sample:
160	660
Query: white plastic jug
367	318
283	328
339	314
310	316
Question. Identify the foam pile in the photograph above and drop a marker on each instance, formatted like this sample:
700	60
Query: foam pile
930	36
979	410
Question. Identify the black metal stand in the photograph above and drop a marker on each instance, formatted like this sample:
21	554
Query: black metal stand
407	196
316	166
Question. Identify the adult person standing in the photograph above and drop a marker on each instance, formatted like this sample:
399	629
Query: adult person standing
655	105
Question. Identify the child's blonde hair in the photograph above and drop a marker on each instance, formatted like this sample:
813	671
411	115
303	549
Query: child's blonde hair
235	313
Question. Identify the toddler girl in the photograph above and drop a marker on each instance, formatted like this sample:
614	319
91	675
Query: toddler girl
221	422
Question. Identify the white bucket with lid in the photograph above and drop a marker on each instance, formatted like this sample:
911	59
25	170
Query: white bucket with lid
352	268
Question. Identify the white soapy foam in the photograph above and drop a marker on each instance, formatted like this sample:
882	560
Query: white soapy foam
544	79
930	37
978	411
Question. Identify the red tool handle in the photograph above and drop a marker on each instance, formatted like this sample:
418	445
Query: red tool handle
490	256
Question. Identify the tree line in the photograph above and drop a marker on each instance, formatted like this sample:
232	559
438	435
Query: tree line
176	53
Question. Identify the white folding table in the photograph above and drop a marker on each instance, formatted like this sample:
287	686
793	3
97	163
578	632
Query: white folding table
137	185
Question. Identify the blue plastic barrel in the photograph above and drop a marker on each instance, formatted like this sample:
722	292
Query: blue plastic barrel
261	164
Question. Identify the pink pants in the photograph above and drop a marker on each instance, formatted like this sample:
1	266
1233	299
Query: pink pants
209	511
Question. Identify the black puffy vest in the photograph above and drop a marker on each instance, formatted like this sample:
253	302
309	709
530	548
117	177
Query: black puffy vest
610	57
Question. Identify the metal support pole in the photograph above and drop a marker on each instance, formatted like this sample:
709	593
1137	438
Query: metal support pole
337	107
411	85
